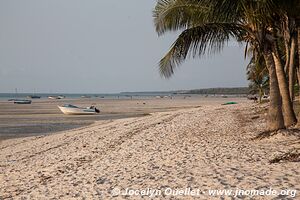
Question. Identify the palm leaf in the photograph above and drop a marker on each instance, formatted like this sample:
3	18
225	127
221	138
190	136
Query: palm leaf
208	38
172	15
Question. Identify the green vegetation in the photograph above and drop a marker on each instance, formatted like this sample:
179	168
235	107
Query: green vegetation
230	91
257	74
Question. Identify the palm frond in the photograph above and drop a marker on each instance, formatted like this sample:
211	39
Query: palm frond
172	15
208	38
227	10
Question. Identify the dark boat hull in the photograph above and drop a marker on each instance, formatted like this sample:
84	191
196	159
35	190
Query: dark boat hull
34	97
22	102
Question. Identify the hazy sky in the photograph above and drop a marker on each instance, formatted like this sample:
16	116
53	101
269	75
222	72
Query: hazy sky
98	46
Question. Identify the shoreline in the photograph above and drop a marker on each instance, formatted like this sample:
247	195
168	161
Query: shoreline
208	147
42	117
59	128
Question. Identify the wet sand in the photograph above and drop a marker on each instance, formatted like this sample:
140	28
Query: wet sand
43	117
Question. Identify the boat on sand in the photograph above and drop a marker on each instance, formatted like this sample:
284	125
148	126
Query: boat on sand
56	97
69	109
21	101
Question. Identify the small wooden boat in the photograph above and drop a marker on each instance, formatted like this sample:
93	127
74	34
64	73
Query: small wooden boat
69	109
22	101
61	96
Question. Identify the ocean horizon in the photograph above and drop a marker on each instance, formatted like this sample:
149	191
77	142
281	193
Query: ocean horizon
7	96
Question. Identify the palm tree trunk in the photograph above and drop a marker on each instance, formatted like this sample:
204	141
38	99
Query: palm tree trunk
298	78
288	110
260	94
292	67
275	117
297	71
298	74
287	60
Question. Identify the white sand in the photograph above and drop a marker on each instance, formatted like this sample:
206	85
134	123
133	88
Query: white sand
202	148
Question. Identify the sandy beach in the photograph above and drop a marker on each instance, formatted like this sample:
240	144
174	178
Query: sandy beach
207	147
164	99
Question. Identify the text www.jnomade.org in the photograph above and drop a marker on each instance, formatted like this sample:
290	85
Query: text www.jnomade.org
149	192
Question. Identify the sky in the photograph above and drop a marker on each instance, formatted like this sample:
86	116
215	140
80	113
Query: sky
99	46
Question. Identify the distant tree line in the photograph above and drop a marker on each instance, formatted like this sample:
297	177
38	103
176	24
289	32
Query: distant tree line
219	91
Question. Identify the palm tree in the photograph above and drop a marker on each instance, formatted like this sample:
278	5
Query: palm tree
207	26
288	12
257	74
263	17
275	116
281	23
290	18
289	114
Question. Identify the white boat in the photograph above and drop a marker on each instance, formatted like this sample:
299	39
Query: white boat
56	97
61	96
69	109
21	101
53	97
86	97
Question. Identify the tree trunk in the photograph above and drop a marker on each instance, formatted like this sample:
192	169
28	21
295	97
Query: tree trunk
298	74
275	117
292	67
287	60
260	94
297	71
287	43
298	78
287	105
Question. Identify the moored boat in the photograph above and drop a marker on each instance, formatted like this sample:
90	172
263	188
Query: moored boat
55	97
86	97
22	101
69	109
61	96
34	97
